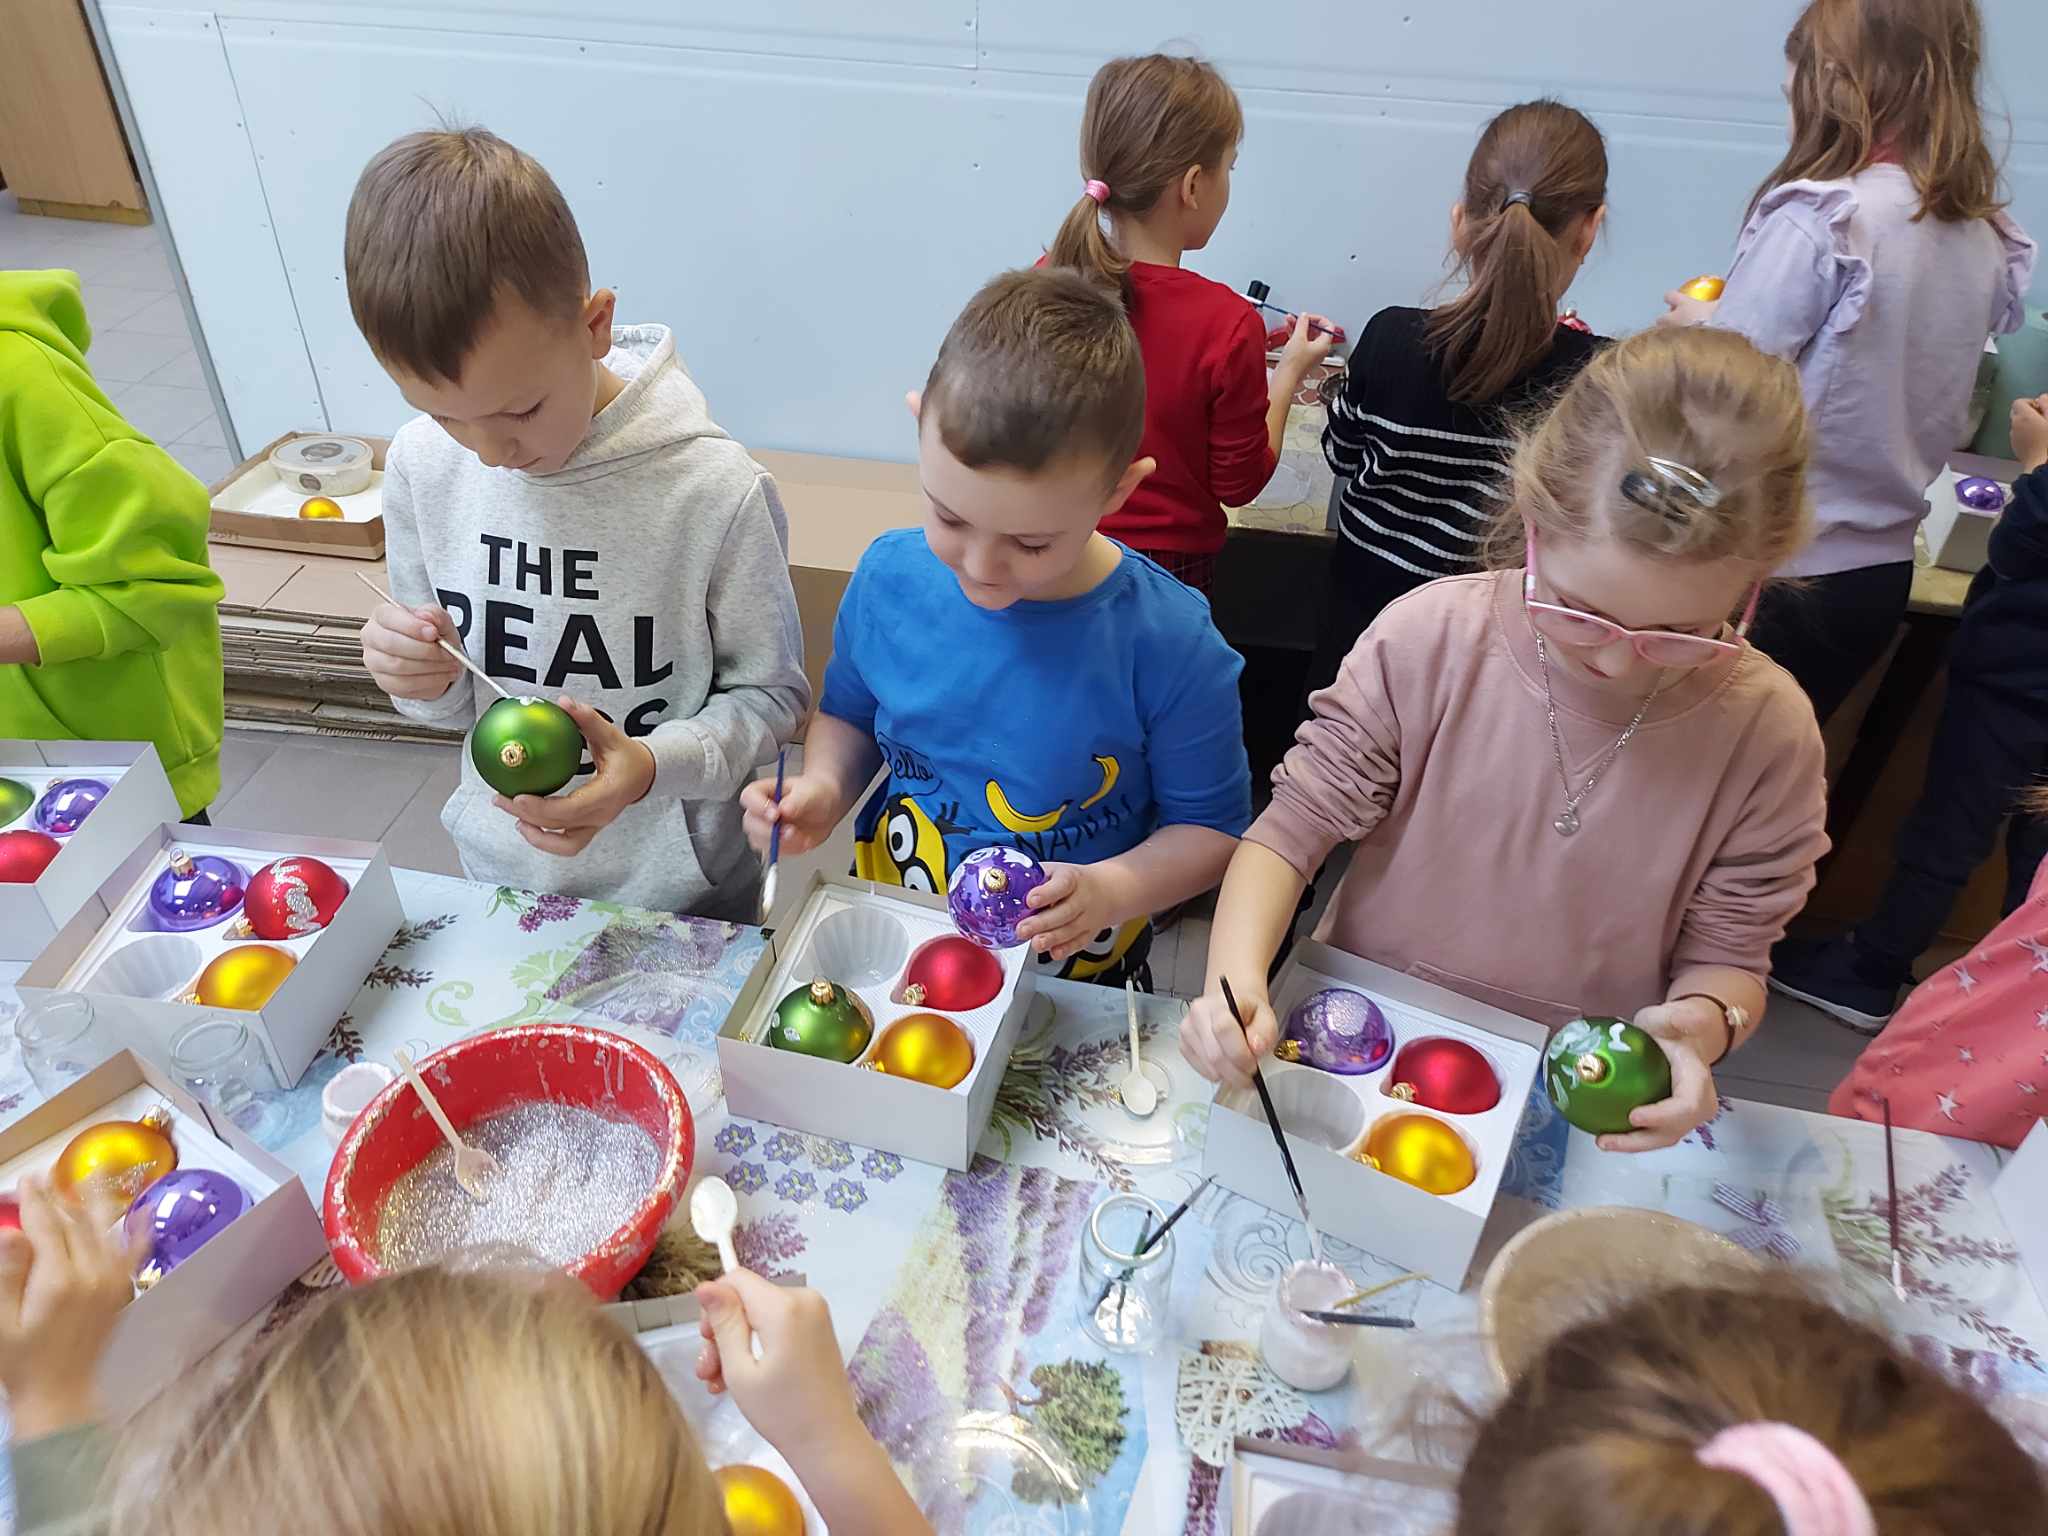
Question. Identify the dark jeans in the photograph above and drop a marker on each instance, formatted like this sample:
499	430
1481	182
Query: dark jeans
1991	742
197	819
1831	630
1361	584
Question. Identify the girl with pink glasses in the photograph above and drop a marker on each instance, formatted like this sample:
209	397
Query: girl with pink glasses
1573	786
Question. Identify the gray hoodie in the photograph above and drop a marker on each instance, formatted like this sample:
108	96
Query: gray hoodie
649	576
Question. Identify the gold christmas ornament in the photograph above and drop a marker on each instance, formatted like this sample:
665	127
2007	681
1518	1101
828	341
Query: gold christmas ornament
126	1156
242	978
925	1047
758	1503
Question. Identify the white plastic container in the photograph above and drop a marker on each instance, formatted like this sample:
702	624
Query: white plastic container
323	466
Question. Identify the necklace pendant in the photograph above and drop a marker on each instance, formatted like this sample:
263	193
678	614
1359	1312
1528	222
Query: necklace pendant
1566	824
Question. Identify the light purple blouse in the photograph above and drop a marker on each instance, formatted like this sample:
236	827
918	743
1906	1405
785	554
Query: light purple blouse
1886	318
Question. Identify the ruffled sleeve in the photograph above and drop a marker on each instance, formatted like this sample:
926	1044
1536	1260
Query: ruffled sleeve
1795	274
2020	251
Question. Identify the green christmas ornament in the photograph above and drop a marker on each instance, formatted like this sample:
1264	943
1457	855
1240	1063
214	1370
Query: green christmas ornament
1599	1069
823	1019
526	746
15	798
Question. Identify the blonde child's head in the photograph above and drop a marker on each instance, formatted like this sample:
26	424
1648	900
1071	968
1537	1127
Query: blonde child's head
467	277
1158	136
1668	480
1891	79
1605	1433
492	1405
1535	193
1028	432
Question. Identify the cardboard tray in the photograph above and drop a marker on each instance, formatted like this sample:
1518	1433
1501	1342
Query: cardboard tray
1435	1235
139	798
869	1109
1400	1496
295	1023
357	536
171	1327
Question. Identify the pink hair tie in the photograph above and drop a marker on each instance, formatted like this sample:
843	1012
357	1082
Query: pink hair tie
1099	190
1814	1492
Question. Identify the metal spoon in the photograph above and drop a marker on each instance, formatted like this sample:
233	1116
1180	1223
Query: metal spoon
1136	1090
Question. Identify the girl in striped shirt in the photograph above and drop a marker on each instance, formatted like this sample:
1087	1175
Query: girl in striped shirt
1419	434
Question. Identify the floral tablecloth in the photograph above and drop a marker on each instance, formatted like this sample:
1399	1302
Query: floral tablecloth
955	1293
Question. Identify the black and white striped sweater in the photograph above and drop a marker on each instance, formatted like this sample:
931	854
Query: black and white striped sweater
1420	472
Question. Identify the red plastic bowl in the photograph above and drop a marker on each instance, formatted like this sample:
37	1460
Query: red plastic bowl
476	1078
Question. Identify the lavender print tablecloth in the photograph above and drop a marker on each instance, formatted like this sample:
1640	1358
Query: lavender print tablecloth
955	1294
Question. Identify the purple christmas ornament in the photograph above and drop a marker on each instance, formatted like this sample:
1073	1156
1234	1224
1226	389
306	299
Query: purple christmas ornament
1338	1030
182	1212
195	892
987	894
1980	494
66	804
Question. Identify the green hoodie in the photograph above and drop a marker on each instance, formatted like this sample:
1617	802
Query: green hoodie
103	549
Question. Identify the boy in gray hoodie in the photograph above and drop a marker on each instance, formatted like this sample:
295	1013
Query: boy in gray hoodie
567	513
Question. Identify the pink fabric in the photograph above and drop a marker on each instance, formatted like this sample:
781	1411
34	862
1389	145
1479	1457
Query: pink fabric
1968	1053
1431	752
1814	1492
1099	190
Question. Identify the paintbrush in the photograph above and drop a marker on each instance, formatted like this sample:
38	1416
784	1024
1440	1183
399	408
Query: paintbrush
1315	1246
774	841
489	681
1146	1245
1372	1290
1891	1184
1360	1320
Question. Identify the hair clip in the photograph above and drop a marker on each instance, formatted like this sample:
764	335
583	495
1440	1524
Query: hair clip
1670	489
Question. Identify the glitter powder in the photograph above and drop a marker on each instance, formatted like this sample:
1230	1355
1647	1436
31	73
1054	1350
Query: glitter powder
568	1179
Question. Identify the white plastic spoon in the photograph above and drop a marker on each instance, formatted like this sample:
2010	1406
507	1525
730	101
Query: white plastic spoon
714	1212
473	1165
1136	1090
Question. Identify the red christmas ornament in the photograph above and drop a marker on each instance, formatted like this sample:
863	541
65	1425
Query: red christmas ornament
952	974
1441	1073
291	897
10	1214
25	855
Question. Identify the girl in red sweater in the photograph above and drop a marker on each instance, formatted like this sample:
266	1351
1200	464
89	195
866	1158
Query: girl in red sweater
1158	139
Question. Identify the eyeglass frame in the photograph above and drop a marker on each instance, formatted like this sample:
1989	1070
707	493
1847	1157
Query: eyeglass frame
1635	637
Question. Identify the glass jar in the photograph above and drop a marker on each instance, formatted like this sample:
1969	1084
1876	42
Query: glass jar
223	1065
60	1042
1126	1275
1309	1356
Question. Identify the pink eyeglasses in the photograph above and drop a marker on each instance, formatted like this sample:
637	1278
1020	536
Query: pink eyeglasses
1659	647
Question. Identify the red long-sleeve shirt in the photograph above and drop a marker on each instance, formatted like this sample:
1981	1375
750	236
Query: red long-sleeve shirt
1205	411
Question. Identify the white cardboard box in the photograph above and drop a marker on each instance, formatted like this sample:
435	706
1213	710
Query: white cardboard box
2021	1194
296	1021
869	1109
170	1327
1434	1235
1303	1488
1959	537
139	798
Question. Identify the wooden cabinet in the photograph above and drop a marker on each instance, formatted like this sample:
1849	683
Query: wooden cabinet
61	146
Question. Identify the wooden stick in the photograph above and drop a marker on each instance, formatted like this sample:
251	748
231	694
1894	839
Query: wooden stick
488	680
1370	1291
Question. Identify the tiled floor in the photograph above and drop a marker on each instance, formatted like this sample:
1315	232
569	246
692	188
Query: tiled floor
142	351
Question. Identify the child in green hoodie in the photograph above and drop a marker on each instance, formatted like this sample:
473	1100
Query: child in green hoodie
107	623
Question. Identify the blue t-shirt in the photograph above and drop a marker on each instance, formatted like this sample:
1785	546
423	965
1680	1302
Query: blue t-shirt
1072	730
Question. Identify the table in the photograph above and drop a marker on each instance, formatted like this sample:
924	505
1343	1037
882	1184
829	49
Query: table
954	1293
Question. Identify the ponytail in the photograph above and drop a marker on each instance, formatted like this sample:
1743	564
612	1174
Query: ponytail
1540	170
1083	244
1148	122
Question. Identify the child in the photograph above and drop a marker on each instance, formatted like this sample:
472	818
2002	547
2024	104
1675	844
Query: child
1878	257
1707	1412
1419	435
1991	743
1573	787
567	512
1023	680
431	1401
108	629
1966	1055
1158	138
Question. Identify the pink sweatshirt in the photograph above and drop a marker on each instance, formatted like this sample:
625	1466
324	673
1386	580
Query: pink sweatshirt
1431	751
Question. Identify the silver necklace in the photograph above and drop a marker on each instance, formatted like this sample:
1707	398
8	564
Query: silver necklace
1568	820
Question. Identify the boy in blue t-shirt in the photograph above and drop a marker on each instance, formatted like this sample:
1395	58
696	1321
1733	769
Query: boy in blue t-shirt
1023	680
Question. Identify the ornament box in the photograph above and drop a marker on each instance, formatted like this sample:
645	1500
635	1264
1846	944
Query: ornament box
1278	1489
1959	536
253	505
850	1102
138	799
169	1328
136	977
1330	1116
2020	1191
